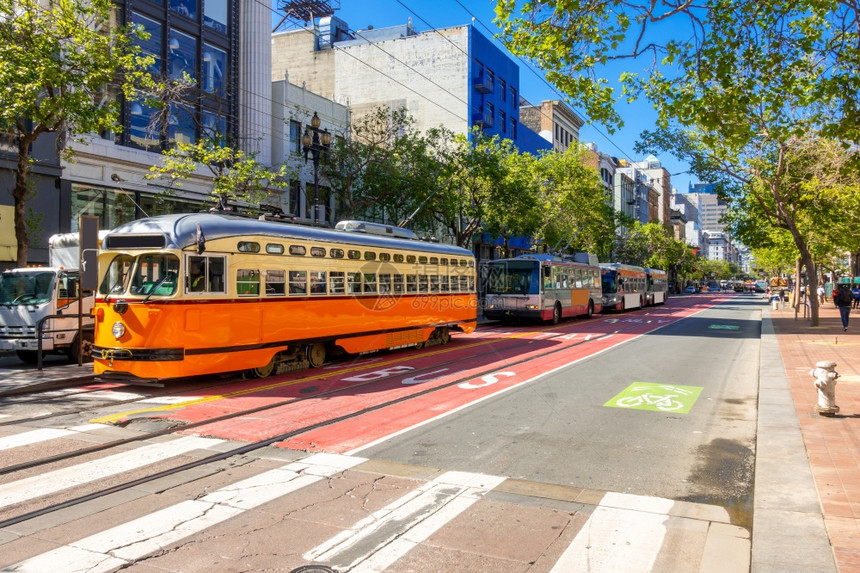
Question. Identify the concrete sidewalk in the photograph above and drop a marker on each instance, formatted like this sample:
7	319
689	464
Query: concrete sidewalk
807	483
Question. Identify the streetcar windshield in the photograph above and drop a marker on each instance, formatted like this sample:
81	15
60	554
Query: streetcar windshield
514	277
151	274
26	288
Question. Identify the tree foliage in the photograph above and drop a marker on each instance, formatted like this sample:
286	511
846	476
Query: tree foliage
57	60
385	169
236	176
746	84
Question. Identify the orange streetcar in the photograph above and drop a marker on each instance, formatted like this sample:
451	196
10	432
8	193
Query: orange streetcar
185	295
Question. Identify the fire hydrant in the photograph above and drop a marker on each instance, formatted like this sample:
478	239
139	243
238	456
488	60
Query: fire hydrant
825	380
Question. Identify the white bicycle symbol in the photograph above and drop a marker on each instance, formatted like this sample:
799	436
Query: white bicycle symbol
664	403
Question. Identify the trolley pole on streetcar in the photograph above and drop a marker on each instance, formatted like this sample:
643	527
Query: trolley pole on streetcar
316	142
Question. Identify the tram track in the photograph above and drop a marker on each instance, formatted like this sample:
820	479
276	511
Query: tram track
252	446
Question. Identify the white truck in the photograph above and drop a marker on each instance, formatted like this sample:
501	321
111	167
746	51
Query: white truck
29	295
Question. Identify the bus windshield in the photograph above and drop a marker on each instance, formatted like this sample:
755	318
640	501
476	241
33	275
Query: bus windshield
24	288
514	277
608	283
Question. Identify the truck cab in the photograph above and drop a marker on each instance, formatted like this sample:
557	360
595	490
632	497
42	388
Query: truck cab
29	295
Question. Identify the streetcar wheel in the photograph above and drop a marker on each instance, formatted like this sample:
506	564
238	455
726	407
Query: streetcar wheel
264	371
83	351
556	313
316	354
444	335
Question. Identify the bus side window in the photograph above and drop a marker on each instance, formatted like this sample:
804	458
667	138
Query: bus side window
547	277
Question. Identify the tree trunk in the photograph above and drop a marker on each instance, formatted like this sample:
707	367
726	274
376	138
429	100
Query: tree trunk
811	272
19	196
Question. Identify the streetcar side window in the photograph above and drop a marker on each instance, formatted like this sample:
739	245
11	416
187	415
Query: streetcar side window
411	283
298	282
336	279
398	284
385	283
434	283
455	284
318	282
353	283
275	283
423	283
443	286
247	282
369	282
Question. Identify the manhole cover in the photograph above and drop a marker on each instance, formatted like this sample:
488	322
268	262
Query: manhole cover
314	569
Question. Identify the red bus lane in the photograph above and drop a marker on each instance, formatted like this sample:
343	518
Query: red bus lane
474	367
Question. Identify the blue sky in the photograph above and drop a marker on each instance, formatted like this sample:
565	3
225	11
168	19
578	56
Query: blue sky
429	14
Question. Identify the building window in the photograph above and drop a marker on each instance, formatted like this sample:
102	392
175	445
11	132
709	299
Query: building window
513	128
182	56
514	100
214	66
503	90
295	137
503	127
187	8
215	15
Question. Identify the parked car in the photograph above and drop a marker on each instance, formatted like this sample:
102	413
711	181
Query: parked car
692	289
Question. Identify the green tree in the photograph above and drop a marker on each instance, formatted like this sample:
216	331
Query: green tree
473	184
575	209
57	60
236	176
746	83
386	169
523	217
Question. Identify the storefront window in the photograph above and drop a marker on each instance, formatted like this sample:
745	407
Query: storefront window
187	8
182	55
214	70
150	46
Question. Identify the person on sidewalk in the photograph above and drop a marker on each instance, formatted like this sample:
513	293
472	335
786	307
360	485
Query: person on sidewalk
843	299
856	292
820	293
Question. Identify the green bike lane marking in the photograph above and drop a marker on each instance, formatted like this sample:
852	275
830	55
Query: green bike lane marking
656	397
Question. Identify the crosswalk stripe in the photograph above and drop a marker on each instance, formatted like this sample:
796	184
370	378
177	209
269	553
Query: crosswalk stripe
379	540
65	478
119	546
44	434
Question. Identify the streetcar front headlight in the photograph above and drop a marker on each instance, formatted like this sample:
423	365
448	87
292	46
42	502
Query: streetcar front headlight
118	330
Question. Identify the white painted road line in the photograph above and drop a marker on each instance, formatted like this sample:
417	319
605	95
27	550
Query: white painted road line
121	545
377	541
44	434
58	480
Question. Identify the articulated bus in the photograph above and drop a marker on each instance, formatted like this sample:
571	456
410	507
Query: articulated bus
193	294
656	287
624	286
541	287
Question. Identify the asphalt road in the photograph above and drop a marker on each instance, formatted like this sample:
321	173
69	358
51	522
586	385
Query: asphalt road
557	429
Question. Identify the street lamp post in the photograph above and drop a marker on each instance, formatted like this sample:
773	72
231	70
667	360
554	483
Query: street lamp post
316	142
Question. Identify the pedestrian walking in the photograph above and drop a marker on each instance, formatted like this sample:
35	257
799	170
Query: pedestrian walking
843	300
856	292
820	292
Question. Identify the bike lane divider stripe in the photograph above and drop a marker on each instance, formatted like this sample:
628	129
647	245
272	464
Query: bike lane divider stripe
122	545
87	472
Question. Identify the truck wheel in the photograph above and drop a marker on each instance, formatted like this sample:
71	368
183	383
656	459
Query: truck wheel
28	356
86	353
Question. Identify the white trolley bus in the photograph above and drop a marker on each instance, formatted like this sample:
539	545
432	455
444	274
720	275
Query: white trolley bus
544	287
624	286
657	286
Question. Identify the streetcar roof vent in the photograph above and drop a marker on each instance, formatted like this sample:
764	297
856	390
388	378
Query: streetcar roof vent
589	258
376	229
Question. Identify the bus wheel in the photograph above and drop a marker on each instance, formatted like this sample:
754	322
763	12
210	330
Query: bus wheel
264	371
590	311
85	351
316	354
556	313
